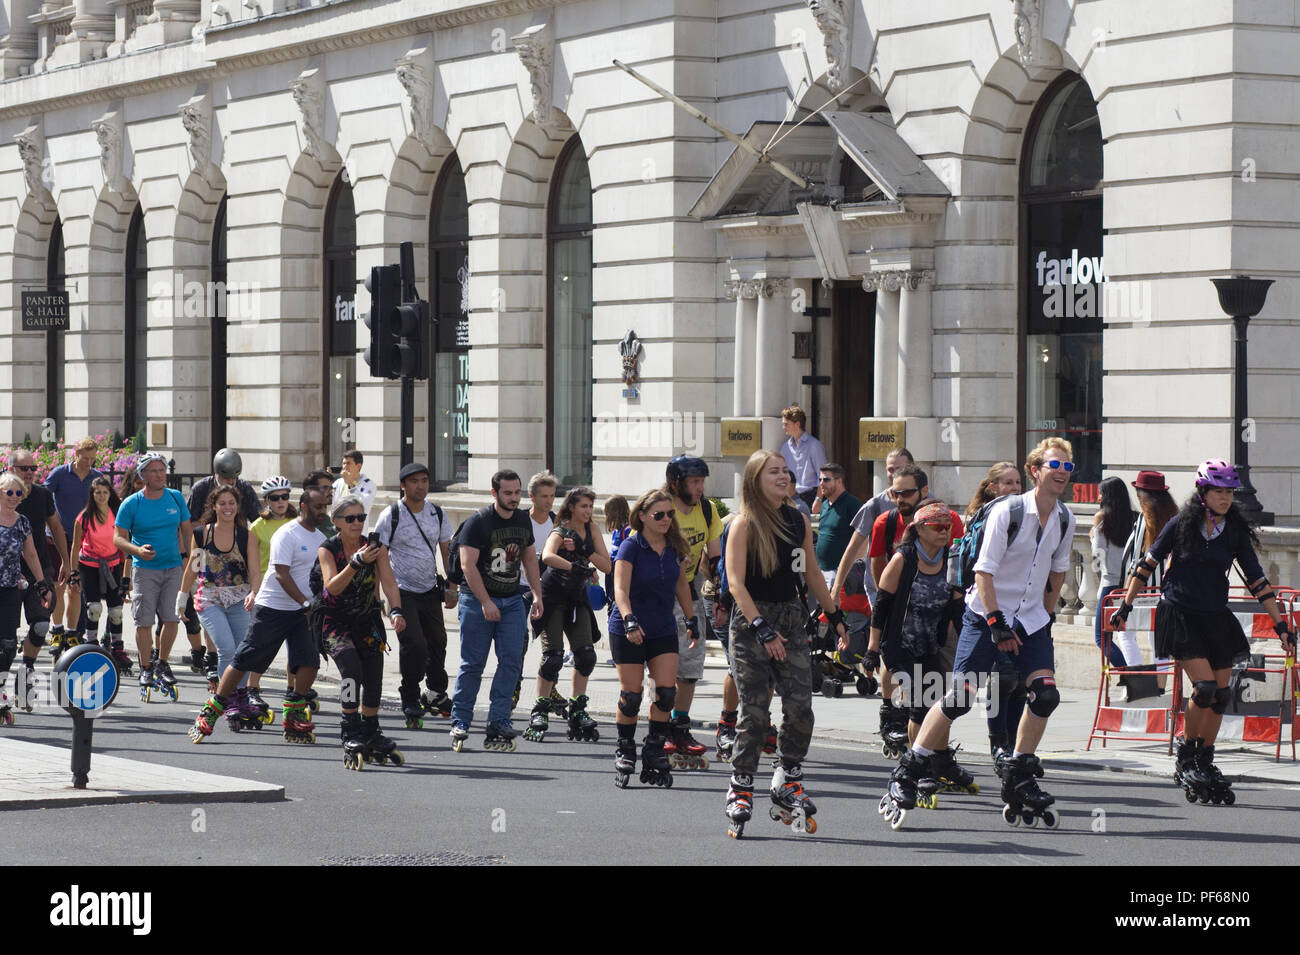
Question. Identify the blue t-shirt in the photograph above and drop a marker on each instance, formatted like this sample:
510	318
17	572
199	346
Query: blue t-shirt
156	523
653	590
70	494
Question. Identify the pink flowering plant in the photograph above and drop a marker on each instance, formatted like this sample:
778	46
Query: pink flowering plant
54	453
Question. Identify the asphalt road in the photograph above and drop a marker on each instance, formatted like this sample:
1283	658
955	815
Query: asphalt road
555	803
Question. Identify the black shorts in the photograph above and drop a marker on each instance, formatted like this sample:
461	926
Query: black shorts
268	630
1215	637
625	651
920	679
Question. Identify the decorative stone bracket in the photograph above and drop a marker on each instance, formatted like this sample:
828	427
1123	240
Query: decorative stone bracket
196	117
308	89
834	18
415	71
1029	32
38	171
110	130
536	49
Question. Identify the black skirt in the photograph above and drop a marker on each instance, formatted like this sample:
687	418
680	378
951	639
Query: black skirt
1216	637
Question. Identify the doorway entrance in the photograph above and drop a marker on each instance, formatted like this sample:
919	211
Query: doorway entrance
853	320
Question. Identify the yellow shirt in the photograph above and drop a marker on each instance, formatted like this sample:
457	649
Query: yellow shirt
263	529
698	535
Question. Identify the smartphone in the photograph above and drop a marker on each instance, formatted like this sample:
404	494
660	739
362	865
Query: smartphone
373	539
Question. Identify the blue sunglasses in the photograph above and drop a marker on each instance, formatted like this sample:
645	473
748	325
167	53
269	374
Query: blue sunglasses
1057	465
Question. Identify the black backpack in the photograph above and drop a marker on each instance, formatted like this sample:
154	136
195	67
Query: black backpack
963	553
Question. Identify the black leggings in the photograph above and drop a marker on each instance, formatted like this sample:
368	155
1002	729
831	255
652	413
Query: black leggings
11	605
359	670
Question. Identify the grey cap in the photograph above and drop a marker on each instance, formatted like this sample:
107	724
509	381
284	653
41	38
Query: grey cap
412	469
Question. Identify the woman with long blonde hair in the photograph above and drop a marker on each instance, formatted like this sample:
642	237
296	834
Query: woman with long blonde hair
769	545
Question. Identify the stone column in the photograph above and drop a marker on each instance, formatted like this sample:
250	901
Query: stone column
914	360
886	286
772	340
745	292
18	47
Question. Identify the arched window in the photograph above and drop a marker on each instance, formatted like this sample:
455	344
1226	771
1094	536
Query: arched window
217	343
340	313
56	272
1062	278
569	400
448	412
135	379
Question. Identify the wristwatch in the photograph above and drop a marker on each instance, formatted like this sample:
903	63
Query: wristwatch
306	605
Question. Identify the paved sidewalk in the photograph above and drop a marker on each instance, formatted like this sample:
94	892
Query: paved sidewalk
39	776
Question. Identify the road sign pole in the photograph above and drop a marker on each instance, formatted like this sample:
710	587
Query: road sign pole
83	732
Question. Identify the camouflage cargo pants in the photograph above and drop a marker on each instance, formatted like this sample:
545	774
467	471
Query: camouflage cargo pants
755	672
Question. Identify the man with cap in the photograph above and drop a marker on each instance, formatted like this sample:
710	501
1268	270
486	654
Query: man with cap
416	531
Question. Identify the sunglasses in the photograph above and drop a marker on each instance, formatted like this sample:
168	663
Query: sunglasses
660	515
938	525
826	480
10	492
905	493
24	467
352	518
277	497
1057	465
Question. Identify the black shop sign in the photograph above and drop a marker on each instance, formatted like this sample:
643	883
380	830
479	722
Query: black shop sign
45	310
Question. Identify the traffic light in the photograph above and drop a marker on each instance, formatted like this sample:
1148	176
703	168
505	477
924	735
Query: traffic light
413	332
385	288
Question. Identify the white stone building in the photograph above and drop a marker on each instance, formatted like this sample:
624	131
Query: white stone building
284	147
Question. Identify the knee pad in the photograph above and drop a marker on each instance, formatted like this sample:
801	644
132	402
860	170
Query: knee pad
37	631
94	612
1203	693
552	662
629	703
665	697
584	660
1043	696
917	714
957	701
1009	681
115	616
1222	696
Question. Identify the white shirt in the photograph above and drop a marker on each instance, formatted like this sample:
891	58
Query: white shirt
1107	558
297	547
1020	571
364	489
540	533
414	563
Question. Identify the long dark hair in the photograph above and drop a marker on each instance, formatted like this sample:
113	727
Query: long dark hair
1187	529
90	517
571	501
1117	515
1158	509
210	506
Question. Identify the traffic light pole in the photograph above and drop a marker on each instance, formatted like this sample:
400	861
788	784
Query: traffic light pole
406	261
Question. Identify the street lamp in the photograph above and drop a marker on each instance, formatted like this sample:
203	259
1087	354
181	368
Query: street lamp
1242	297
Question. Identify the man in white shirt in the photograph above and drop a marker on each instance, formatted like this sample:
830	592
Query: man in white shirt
355	483
1007	630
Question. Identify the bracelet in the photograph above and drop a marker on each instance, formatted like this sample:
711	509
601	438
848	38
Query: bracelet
356	562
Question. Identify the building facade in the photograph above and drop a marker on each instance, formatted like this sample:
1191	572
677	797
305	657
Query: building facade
991	219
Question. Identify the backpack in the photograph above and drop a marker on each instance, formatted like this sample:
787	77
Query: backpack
891	532
963	554
455	573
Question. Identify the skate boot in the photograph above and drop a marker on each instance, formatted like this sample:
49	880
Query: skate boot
1202	779
770	740
539	720
24	687
71	639
437	704
688	754
236	703
164	681
500	737
354	746
893	730
740	803
198	661
459	733
654	762
412	709
213	672
6	708
950	776
207	719
1183	759
559	705
56	643
250	715
1023	801
581	726
790	804
313	703
725	740
259	706
120	657
907	788
624	762
1000	750
378	747
296	723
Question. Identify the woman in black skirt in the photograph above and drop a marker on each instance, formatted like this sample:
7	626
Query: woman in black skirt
1193	623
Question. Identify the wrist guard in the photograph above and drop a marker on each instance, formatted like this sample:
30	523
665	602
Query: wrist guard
835	618
762	631
630	623
356	562
1124	610
998	628
1283	630
693	628
43	587
871	660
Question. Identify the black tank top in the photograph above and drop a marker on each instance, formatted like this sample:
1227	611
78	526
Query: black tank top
565	584
783	584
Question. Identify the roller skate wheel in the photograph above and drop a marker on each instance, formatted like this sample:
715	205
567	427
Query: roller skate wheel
666	781
1205	799
973	789
621	780
778	815
1027	817
676	761
1051	820
809	825
1190	795
896	819
396	758
351	762
457	745
1229	797
736	830
1010	816
267	718
883	808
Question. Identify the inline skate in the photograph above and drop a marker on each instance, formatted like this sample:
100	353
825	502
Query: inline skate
207	719
500	737
687	752
378	747
770	740
459	733
539	720
6	706
893	730
1023	800
581	726
313	703
117	651
71	638
559	705
951	778
212	673
157	678
412	709
624	761
24	687
260	706
354	747
725	740
198	661
437	704
908	788
740	803
295	722
790	804
247	715
1000	750
655	770
56	643
1202	780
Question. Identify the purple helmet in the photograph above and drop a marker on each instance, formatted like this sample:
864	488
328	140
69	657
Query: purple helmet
1216	473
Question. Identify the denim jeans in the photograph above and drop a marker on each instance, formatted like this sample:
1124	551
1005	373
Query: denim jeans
227	626
476	638
1116	654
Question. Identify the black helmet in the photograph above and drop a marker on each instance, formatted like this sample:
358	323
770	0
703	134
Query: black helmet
226	463
685	466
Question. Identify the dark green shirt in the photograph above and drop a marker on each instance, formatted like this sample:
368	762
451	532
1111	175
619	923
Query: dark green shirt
834	529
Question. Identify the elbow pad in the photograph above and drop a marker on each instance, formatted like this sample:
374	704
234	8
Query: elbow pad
1261	590
882	608
1145	568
